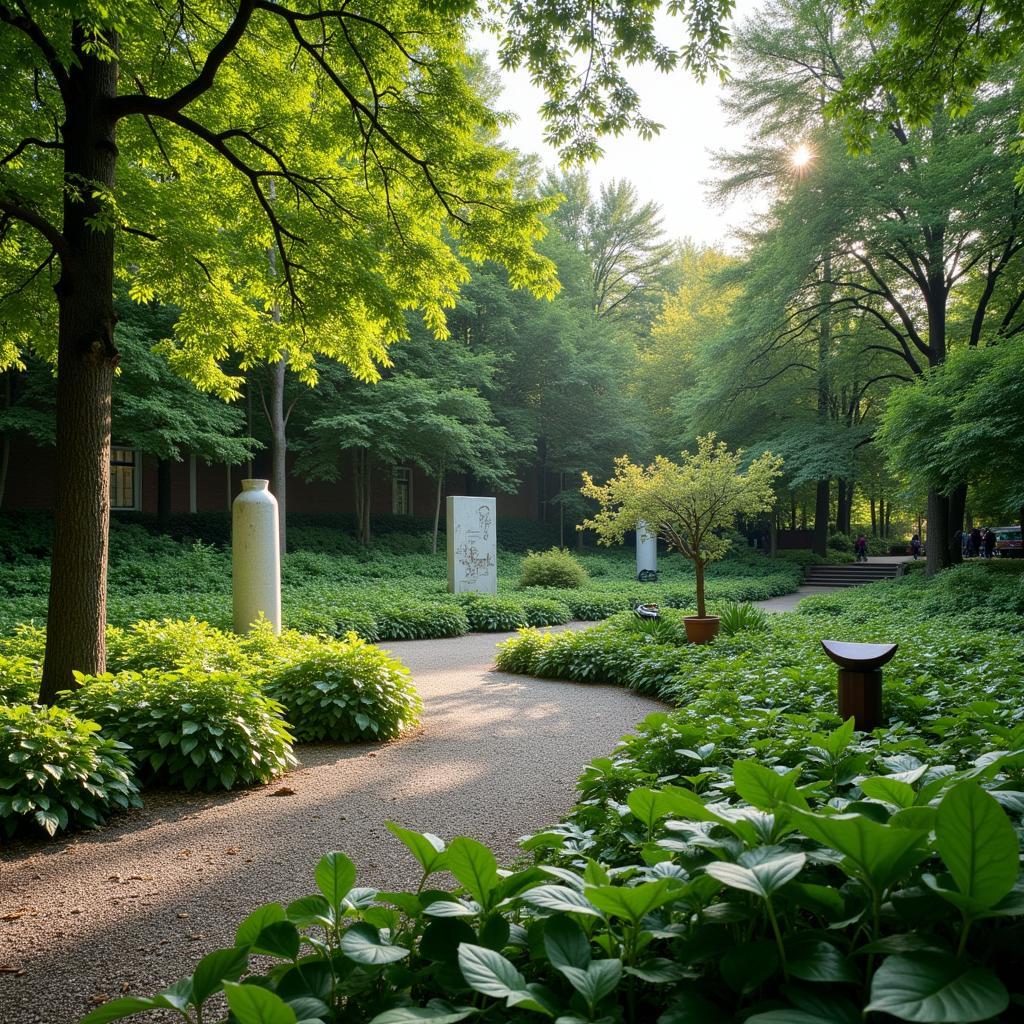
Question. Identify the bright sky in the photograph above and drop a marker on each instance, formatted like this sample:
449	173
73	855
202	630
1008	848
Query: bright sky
672	168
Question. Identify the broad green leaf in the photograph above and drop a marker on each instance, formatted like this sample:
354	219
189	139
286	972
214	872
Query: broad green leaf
474	866
279	939
765	789
449	908
934	988
217	967
658	971
489	972
762	879
335	875
560	897
362	943
813	959
789	1017
257	921
565	943
595	982
978	844
426	848
880	854
633	902
118	1009
651	805
892	791
310	910
252	1004
415	1014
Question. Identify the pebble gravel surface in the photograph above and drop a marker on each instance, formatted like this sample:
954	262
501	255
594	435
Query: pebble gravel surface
131	908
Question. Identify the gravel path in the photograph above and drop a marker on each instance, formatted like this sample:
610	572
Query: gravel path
132	907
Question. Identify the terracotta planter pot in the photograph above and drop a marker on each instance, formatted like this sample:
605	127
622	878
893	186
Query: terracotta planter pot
701	630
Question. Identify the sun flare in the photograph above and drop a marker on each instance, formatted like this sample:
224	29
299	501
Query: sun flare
801	156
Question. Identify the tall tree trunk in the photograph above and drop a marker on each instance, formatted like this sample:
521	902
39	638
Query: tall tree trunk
163	492
957	511
874	520
821	496
279	447
773	535
701	607
888	519
821	511
437	507
5	440
792	510
86	360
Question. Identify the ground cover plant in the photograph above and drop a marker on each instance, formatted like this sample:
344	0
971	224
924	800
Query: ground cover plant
379	594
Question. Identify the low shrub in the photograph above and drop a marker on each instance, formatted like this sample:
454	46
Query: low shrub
752	900
172	643
342	690
737	618
541	611
840	542
187	728
57	772
486	614
415	621
554	568
19	680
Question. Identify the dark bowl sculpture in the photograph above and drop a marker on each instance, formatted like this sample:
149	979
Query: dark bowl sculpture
859	657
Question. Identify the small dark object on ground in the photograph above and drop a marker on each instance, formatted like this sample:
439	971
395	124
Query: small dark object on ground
647	611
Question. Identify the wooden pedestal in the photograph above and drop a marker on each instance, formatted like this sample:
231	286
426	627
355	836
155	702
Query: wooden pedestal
860	698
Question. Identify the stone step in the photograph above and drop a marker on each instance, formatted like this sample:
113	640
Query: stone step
853	575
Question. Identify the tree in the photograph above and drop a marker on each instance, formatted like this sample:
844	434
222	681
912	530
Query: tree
920	239
217	154
630	259
962	424
688	503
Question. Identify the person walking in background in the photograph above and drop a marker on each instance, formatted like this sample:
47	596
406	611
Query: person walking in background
915	546
990	543
860	548
975	542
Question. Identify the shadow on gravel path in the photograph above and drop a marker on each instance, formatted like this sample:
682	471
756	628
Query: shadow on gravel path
132	907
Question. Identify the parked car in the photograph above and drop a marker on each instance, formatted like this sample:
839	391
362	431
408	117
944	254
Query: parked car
1008	542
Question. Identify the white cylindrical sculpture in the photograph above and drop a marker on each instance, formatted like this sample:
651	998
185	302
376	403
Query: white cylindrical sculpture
646	549
255	556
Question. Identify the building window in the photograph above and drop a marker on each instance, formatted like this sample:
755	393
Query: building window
124	477
401	491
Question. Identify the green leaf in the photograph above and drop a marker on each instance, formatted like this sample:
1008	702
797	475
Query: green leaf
414	1014
633	902
250	928
762	878
765	789
474	866
426	848
934	988
978	844
362	943
279	939
651	805
254	1005
489	972
880	854
118	1009
216	968
335	876
560	897
310	910
812	959
658	971
598	980
565	943
892	791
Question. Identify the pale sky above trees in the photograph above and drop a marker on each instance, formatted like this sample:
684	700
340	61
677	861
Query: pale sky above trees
670	169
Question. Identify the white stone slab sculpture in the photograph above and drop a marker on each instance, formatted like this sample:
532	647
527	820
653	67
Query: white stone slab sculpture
255	556
646	549
472	545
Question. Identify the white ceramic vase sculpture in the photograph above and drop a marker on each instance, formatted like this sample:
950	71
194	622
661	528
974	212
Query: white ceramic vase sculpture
256	556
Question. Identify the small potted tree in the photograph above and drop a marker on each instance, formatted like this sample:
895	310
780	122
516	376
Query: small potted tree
689	503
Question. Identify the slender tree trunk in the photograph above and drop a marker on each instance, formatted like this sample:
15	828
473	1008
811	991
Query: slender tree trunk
163	492
821	511
792	510
5	443
279	447
773	535
957	512
888	519
86	359
874	521
701	607
437	507
821	496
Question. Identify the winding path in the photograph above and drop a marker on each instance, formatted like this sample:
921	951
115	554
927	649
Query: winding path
132	907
